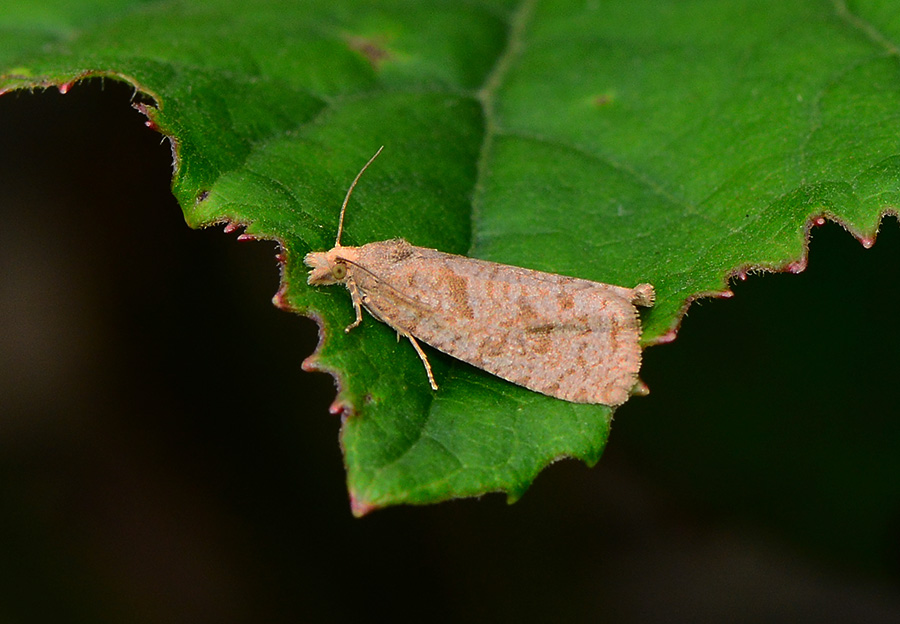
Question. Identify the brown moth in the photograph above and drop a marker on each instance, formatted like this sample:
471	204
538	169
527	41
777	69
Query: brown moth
569	338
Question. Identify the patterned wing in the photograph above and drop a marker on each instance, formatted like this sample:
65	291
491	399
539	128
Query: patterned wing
565	337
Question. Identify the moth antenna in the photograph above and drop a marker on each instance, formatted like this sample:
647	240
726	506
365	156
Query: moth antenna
337	241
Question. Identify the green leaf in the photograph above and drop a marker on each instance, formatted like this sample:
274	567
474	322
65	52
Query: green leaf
670	142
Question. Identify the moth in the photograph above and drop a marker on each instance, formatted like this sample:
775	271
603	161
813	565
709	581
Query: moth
565	337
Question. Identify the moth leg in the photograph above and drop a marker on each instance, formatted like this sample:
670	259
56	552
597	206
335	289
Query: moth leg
356	298
424	360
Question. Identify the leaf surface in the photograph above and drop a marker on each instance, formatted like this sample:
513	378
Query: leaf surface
668	142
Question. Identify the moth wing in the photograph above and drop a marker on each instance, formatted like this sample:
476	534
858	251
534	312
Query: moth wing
565	337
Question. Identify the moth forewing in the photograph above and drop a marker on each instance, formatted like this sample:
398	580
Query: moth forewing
566	337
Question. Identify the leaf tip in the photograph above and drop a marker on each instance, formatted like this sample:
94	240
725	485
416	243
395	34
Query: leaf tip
667	337
280	301
341	406
146	111
360	507
515	493
230	226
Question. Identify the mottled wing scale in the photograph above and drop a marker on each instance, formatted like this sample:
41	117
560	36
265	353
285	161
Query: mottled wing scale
566	337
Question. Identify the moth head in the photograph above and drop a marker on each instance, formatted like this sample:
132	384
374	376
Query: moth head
328	267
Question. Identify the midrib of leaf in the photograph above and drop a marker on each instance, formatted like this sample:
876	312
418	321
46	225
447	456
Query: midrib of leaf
872	33
486	95
518	24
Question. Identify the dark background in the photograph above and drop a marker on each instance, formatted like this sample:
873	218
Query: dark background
164	458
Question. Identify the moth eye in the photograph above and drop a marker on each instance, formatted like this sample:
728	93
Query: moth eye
339	271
